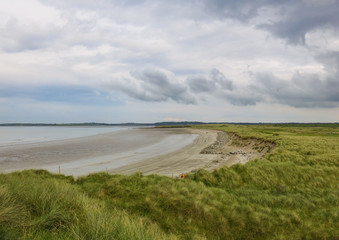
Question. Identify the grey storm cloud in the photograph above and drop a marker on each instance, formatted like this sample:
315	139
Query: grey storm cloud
331	61
216	80
156	86
303	91
217	85
297	18
302	17
243	10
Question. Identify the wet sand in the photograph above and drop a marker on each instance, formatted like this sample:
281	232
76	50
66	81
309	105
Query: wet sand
102	152
186	159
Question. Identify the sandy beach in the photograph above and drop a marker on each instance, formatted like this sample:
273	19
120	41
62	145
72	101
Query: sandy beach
149	150
210	150
81	156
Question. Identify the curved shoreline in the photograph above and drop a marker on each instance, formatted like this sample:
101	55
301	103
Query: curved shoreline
211	150
163	151
81	156
174	163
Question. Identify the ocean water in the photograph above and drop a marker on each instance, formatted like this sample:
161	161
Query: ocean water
10	136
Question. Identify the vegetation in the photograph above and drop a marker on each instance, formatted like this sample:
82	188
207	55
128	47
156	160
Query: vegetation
293	193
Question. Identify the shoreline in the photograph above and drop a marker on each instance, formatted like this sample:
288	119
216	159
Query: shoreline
163	151
212	149
84	155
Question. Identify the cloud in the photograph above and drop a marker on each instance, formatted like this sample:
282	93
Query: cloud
200	84
17	37
302	17
330	61
241	10
153	85
216	85
303	91
286	19
160	53
270	11
216	80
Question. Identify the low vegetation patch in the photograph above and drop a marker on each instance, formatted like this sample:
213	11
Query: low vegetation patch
292	193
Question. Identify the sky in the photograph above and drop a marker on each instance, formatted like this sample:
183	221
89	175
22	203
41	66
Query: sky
116	61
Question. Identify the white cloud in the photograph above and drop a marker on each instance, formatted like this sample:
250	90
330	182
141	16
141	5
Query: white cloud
160	51
29	11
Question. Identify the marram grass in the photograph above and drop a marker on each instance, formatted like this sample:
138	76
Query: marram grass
39	205
293	193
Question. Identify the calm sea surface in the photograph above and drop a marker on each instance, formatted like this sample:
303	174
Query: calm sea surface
21	135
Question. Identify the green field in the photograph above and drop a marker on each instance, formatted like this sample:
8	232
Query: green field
292	193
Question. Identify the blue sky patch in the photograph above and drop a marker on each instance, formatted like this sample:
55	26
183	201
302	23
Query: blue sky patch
56	93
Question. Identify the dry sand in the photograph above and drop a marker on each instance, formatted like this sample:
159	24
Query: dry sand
161	151
210	150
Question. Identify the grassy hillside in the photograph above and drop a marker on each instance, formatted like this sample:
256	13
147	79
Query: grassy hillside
293	193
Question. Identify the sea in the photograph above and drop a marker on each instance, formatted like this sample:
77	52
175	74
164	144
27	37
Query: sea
16	135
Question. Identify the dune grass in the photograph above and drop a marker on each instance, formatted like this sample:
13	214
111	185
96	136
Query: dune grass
292	193
39	205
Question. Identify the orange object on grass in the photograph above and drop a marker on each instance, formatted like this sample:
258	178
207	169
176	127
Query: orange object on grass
182	176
